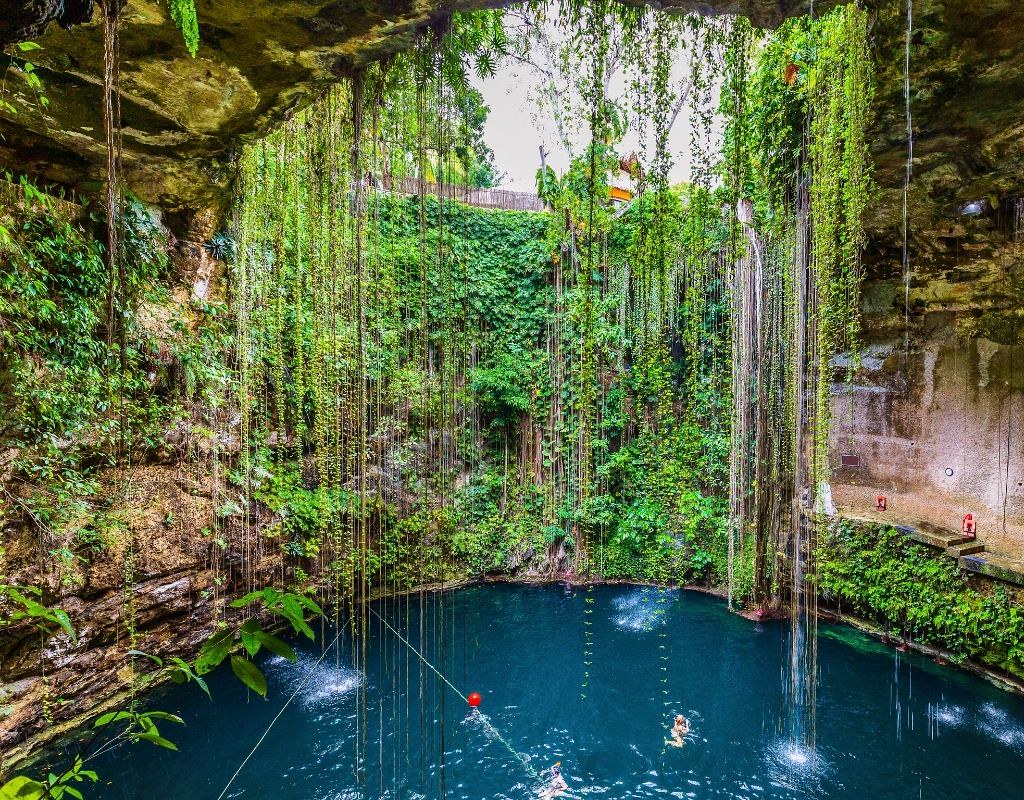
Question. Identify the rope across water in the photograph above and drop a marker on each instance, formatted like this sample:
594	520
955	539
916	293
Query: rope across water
298	688
521	757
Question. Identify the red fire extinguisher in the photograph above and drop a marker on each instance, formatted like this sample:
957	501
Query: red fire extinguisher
970	527
880	503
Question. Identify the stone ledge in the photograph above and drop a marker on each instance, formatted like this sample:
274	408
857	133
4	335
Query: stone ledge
993	565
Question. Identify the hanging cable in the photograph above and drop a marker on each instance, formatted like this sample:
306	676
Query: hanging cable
521	757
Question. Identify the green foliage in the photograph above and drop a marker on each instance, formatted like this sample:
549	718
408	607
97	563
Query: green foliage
20	67
881	575
139	726
183	13
55	786
59	372
177	669
300	508
252	637
24	608
503	391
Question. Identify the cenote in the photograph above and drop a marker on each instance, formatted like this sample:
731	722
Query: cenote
890	725
311	309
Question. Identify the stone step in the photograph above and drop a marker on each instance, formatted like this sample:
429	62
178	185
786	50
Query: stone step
934	536
969	549
1003	568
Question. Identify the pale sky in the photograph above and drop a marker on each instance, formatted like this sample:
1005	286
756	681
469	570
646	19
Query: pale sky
516	128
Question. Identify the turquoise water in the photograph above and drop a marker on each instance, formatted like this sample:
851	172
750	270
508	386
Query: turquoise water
590	678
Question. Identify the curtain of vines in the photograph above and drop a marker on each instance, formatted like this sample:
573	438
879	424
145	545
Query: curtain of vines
798	167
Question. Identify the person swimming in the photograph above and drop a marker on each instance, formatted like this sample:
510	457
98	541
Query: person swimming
680	729
557	785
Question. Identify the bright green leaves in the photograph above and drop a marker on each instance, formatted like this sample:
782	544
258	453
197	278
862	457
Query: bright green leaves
55	787
287	605
251	636
48	620
177	669
21	787
140	726
880	574
249	674
183	12
27	71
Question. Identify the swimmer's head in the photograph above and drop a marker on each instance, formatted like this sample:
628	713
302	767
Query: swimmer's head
679	717
557	769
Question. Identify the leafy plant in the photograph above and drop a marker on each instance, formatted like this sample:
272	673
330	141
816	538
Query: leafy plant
55	786
47	620
287	606
183	13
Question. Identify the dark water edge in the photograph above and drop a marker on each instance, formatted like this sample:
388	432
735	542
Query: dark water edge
889	724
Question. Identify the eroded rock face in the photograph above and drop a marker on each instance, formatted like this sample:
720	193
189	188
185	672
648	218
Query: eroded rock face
181	580
26	19
258	62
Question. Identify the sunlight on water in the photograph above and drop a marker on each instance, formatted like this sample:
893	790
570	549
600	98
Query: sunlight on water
998	724
795	766
653	655
950	716
326	681
644	609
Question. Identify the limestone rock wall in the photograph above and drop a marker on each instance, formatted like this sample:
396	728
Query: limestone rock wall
942	382
934	414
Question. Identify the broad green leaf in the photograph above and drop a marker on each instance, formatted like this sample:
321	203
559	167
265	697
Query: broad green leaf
113	716
142	654
246	599
249	674
276	646
21	787
251	643
202	685
165	715
158	740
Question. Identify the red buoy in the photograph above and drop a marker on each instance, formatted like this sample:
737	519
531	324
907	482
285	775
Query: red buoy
474	699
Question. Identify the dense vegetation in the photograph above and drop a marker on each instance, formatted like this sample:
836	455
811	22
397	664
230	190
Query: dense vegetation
880	575
398	389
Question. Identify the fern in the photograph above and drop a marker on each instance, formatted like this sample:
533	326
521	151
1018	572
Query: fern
183	12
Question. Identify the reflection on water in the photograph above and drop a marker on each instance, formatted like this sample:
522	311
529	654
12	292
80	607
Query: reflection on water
997	723
889	725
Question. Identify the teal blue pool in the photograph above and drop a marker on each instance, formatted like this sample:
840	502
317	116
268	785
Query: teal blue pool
590	678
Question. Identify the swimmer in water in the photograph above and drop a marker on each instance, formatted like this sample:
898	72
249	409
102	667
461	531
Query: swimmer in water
557	785
680	728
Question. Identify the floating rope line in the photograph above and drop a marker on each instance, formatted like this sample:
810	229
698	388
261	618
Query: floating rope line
522	758
298	688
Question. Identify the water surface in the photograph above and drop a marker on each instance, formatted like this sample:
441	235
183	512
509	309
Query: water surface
591	678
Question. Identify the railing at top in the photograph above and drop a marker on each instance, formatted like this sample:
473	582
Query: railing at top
481	198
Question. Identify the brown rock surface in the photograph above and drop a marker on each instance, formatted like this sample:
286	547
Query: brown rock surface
178	579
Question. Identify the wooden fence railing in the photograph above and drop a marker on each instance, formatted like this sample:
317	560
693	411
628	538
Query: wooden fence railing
481	198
